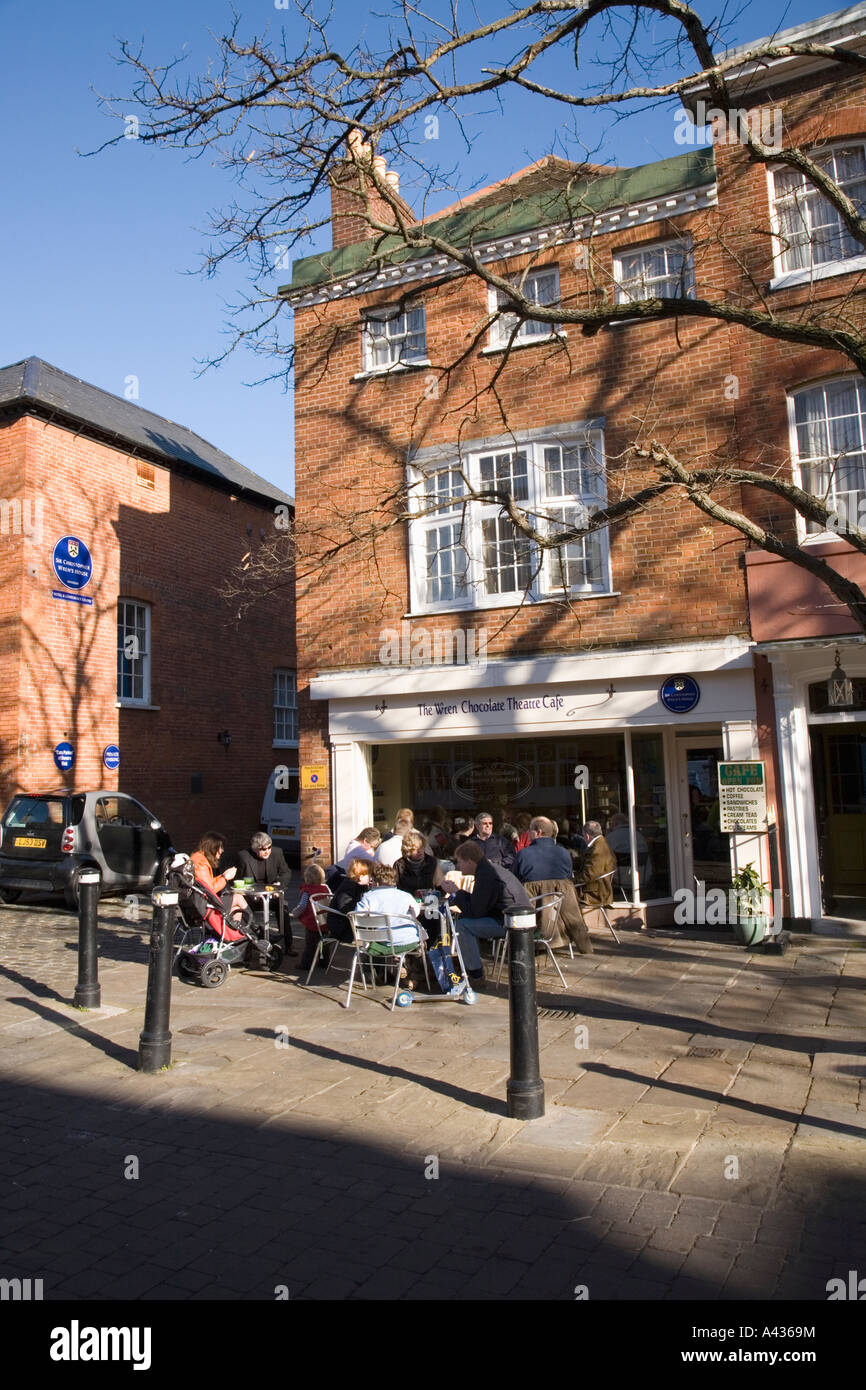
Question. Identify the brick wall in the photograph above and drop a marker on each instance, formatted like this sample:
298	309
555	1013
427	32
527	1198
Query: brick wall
170	547
709	392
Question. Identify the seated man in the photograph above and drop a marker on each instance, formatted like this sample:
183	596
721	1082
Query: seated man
597	866
497	849
267	866
495	892
542	857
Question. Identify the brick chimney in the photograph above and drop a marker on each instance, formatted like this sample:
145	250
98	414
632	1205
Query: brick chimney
352	186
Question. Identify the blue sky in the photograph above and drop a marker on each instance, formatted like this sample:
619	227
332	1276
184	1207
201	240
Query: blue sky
99	255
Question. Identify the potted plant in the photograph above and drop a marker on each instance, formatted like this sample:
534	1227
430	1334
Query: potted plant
751	922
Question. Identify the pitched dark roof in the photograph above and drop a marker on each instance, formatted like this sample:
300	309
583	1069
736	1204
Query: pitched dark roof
555	193
35	386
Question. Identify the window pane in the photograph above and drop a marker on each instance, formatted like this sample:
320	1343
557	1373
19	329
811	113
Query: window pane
506	557
447	564
391	337
831	444
507	473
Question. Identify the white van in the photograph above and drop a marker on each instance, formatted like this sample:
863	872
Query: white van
281	812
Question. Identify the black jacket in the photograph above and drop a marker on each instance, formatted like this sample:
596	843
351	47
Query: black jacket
347	895
415	877
497	849
496	892
273	870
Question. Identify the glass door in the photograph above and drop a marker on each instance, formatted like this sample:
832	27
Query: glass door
706	851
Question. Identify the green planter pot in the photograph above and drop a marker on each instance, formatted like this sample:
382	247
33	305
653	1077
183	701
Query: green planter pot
751	930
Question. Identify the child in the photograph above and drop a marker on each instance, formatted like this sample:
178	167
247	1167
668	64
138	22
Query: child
313	878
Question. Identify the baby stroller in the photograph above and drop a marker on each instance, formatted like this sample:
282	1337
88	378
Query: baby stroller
204	955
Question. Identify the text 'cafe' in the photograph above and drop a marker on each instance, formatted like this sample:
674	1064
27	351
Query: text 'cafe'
633	738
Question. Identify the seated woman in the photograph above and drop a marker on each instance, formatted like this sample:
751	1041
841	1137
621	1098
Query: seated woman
417	869
205	858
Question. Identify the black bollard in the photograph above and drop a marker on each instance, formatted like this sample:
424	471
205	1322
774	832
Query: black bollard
87	992
154	1045
525	1090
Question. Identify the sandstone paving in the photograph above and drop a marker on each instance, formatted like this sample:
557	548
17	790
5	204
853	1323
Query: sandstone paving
697	1052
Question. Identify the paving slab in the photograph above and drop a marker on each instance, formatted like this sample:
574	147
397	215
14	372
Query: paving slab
695	1053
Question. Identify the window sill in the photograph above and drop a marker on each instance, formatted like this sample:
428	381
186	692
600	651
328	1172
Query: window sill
396	369
135	704
497	601
817	272
286	743
524	343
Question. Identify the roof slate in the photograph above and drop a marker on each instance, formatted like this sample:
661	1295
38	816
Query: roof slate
36	383
514	212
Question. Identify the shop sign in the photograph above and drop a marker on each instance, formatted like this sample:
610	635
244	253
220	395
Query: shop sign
680	694
742	798
496	781
314	778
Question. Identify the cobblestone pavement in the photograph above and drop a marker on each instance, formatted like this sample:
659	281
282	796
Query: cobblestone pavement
703	1135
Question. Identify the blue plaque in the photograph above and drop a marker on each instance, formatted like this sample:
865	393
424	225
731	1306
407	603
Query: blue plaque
64	756
111	756
680	694
72	563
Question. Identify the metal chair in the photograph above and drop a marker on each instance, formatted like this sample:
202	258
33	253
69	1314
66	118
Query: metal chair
599	907
372	929
322	910
548	909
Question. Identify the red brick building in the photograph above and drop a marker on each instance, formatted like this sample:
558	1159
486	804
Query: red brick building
633	656
145	654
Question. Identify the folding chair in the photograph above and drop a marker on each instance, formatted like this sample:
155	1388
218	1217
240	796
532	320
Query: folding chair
322	910
376	929
547	908
592	907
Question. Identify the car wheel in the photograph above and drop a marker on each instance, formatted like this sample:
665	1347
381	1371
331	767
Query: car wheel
70	892
10	895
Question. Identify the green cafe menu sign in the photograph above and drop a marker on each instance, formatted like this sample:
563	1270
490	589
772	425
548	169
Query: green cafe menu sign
742	798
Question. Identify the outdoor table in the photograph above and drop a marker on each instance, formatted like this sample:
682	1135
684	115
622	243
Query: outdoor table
266	894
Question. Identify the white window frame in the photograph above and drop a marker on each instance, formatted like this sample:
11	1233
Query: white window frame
286	742
782	277
804	534
543	583
529	330
682	244
144	656
392	313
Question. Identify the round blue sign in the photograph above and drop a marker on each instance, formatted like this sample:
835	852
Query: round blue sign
64	756
680	694
72	563
111	756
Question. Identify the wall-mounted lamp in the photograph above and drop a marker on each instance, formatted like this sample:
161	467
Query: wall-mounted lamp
840	688
225	737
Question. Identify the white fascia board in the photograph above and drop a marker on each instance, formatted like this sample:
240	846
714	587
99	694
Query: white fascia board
844	28
725	654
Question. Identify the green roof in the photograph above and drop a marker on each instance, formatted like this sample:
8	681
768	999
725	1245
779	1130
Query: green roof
514	213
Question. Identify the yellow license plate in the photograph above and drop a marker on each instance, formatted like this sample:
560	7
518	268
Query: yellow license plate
28	842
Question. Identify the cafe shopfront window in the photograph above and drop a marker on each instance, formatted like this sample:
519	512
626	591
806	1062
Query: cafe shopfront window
571	780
